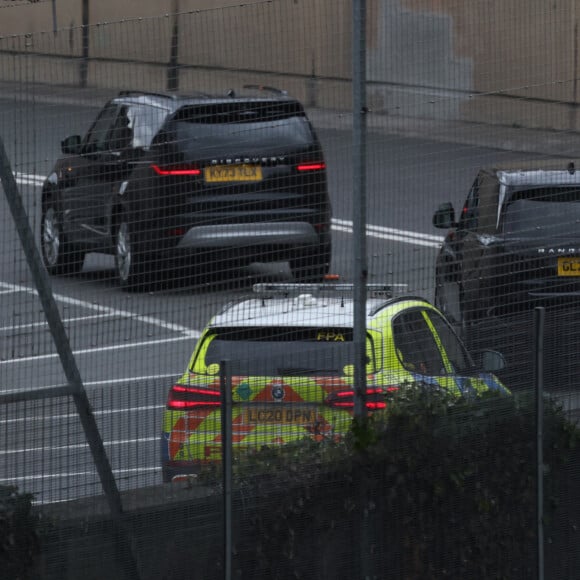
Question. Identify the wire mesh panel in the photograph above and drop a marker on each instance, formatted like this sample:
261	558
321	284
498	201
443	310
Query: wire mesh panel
178	287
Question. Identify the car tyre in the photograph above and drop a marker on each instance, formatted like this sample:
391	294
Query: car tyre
59	256
131	267
311	266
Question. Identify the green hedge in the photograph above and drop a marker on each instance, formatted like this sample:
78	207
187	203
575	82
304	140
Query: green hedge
432	488
19	540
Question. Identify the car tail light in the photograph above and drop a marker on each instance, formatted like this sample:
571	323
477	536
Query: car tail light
317	166
375	399
182	398
176	232
177	170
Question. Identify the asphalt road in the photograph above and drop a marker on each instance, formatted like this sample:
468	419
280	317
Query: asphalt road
129	347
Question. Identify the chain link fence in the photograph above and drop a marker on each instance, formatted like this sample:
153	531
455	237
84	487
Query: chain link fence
174	398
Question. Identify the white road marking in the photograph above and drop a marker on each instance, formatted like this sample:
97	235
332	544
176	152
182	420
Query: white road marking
84	445
186	333
67	416
384	233
107	310
29	178
43	324
78	474
100	349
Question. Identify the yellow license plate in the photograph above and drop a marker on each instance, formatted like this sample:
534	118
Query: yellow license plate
284	415
225	173
568	266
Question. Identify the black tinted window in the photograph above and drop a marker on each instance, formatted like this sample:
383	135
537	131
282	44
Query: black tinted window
235	128
415	344
469	214
546	211
271	351
98	137
236	112
456	353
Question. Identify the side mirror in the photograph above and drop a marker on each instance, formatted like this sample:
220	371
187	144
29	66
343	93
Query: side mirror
71	145
444	217
491	361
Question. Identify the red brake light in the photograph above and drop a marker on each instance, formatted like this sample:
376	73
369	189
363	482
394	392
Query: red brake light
345	399
176	170
311	166
182	398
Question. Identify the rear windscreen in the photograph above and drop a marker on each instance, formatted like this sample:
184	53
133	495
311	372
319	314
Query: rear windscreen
236	112
226	128
547	211
270	351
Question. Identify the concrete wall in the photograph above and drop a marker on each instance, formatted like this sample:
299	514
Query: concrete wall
511	62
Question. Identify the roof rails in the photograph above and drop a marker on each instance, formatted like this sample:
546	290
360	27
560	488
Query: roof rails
289	289
266	88
148	93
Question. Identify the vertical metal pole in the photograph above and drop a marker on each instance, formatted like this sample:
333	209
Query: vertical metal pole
360	271
54	23
539	317
226	429
84	72
173	65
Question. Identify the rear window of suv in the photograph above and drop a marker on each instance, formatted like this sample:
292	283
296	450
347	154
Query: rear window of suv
261	125
546	211
238	112
268	351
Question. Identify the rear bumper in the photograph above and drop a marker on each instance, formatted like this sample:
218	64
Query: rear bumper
249	235
524	294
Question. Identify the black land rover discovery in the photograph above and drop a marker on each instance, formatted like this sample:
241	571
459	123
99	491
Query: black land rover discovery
164	181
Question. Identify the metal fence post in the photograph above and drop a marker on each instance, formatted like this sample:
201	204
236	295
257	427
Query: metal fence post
85	44
539	317
360	267
173	64
226	431
360	271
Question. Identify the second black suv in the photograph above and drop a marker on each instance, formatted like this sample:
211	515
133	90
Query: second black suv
516	241
161	180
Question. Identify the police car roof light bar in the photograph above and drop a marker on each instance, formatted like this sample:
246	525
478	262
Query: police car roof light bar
289	289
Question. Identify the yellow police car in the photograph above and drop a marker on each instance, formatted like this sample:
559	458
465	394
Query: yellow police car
287	355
